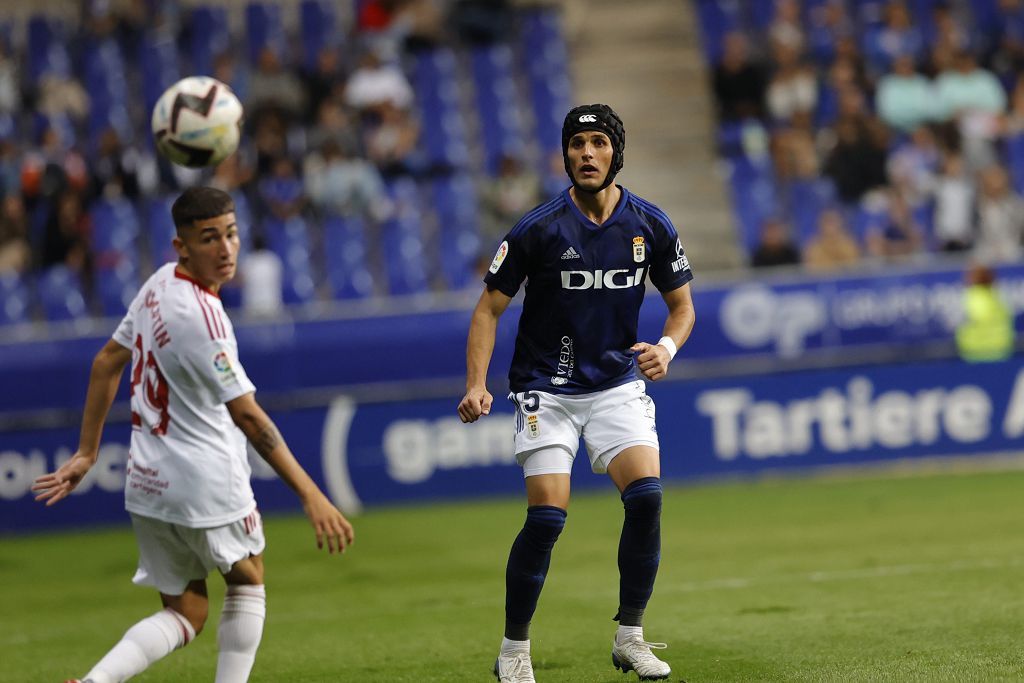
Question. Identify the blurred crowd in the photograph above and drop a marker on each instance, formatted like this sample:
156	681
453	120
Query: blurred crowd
327	132
871	130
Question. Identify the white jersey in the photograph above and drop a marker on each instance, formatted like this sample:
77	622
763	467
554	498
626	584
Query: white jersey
188	462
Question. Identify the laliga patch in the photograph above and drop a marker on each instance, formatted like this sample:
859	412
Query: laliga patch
532	428
499	257
638	250
222	364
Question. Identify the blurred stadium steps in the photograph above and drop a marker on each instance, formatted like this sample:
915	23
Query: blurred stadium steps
651	70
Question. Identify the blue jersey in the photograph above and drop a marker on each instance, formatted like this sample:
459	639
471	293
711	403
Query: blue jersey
585	284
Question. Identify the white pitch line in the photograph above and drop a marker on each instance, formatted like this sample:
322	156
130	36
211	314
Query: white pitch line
822	576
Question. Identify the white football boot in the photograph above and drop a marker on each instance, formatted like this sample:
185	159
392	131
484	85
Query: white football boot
634	654
514	667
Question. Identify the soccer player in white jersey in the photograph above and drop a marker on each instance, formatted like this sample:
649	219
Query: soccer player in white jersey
187	479
585	256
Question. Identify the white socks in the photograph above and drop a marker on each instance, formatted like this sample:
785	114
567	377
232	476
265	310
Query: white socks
239	632
151	639
509	647
626	632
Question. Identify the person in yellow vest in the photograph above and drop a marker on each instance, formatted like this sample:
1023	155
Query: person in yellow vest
987	332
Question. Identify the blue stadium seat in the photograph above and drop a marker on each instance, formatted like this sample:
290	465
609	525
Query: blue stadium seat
160	69
459	238
264	28
546	63
289	239
754	198
807	200
60	294
160	230
405	254
498	103
1015	161
117	287
14	299
208	30
317	26
435	82
717	17
346	258
115	232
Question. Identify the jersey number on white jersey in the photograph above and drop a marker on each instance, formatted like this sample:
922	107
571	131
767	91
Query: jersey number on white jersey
152	399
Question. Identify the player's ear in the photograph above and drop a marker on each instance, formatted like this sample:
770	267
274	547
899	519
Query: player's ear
179	246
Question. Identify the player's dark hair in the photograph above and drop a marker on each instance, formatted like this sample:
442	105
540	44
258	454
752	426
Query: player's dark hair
200	204
599	117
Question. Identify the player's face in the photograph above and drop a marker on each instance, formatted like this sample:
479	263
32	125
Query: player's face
590	158
209	250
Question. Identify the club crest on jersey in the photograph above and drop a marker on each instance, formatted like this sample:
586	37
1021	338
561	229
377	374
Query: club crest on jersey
499	257
532	426
639	252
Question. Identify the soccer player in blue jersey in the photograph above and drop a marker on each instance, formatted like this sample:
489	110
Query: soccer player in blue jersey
585	256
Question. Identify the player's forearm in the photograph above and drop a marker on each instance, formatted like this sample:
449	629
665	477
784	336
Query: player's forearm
266	440
479	347
103	382
678	325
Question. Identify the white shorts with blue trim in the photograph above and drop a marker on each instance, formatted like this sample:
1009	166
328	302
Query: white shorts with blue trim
549	427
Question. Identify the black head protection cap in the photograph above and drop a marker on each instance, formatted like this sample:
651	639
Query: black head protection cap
598	117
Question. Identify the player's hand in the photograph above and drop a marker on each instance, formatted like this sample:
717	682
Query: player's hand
56	486
652	359
330	525
475	403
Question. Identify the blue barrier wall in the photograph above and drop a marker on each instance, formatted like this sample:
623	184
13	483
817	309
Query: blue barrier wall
773	320
417	449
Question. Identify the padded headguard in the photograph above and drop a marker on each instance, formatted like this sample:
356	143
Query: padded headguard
599	117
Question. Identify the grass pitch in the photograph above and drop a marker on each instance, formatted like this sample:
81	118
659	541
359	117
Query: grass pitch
875	579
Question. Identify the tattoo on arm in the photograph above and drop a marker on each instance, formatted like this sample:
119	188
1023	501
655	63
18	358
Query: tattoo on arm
267	439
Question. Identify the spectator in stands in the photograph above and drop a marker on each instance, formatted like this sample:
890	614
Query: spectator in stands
856	163
325	81
739	83
1000	219
950	36
270	140
986	333
786	27
10	87
225	70
261	274
333	124
505	198
282	194
776	247
913	167
954	206
391	142
898	37
905	99
15	252
274	87
340	184
828	25
481	22
794	156
832	247
1013	124
51	168
793	88
976	100
66	239
1007	59
897	236
10	165
60	95
113	169
374	83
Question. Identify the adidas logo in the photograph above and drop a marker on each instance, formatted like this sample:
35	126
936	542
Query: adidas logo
570	253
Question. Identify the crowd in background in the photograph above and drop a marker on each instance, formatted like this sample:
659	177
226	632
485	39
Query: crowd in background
321	138
868	130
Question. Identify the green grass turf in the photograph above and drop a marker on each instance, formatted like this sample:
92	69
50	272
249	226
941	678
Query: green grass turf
871	579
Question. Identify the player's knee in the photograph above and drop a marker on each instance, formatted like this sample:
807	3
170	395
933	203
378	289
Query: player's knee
196	613
642	498
543	525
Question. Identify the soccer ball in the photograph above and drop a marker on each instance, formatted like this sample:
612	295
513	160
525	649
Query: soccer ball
196	122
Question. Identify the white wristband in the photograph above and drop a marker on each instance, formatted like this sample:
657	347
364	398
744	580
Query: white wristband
670	345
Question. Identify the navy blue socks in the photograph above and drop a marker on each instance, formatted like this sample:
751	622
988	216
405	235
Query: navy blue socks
527	568
639	548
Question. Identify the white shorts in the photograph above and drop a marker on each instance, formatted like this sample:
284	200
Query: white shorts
609	421
171	555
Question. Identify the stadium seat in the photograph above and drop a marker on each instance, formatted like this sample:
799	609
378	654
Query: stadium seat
435	82
458	239
317	28
346	258
289	239
115	232
160	230
264	28
498	103
208	30
14	299
60	294
1015	161
117	287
